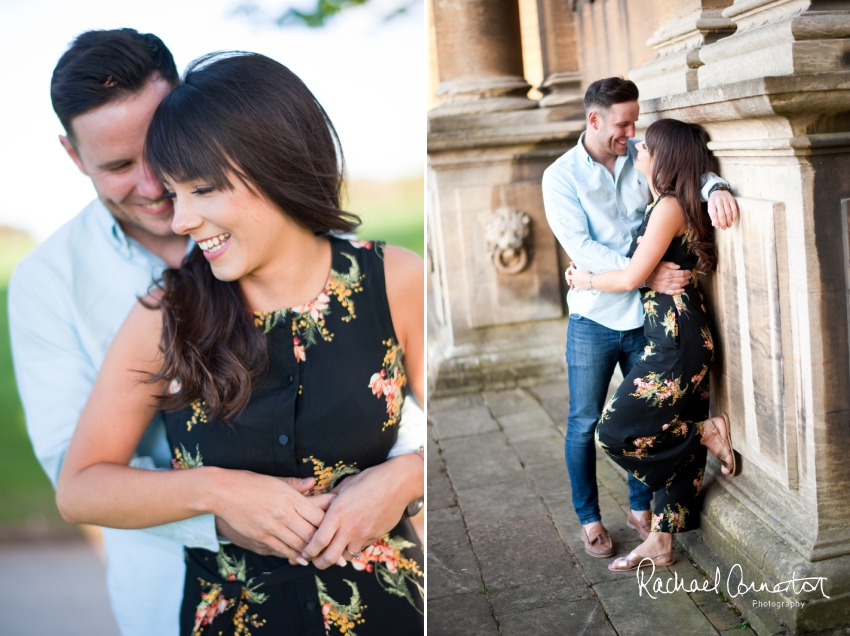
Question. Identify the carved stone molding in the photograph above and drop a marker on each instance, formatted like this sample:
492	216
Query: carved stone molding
506	234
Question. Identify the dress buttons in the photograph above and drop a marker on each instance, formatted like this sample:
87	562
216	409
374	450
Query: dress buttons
283	439
291	379
310	606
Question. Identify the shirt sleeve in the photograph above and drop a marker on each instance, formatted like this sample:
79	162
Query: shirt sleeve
55	375
568	221
709	180
411	429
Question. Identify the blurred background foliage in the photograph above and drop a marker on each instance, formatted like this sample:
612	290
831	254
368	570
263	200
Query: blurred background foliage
321	12
392	211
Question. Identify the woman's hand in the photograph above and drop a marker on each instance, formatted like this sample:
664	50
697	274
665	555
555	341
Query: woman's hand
577	277
268	510
367	506
227	531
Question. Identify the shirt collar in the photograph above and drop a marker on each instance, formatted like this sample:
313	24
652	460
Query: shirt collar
111	227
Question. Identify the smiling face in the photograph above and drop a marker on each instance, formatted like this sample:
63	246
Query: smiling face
108	145
643	162
241	233
613	127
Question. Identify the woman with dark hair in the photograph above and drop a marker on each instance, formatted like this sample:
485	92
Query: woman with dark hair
656	426
277	349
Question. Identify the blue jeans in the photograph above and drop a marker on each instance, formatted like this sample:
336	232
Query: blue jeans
593	351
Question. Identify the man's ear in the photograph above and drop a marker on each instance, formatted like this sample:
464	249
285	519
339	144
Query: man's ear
72	152
594	119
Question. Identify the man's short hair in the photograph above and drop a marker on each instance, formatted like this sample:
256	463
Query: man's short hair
606	92
104	66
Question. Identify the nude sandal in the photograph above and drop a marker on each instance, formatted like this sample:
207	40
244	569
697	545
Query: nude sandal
634	560
729	463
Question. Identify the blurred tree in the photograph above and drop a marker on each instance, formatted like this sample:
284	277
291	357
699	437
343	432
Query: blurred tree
323	11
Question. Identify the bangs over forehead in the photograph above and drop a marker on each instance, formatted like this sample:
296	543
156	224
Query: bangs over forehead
183	141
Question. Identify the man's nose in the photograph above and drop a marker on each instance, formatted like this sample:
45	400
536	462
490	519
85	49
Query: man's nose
630	132
149	186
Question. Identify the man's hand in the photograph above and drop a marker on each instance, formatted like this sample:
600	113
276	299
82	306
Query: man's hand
227	531
723	209
367	506
668	278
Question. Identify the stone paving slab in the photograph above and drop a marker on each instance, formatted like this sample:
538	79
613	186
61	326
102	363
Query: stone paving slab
579	617
528	597
508	557
458	402
440	493
519	551
500	502
462	422
480	460
462	615
452	566
635	615
510	401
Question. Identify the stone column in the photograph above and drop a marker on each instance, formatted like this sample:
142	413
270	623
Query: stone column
498	298
562	77
678	43
479	53
774	98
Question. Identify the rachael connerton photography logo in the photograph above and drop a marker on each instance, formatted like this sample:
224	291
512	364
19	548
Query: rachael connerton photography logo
735	585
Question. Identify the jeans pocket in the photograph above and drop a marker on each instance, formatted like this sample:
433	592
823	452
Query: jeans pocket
576	318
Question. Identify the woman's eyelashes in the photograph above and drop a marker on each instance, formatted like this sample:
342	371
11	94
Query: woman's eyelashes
203	190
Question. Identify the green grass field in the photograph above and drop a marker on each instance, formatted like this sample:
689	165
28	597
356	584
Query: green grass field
393	212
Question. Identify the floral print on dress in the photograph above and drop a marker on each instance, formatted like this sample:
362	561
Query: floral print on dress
609	408
308	320
334	614
214	602
678	302
199	414
698	480
390	381
643	444
326	476
268	319
670	324
650	311
648	351
707	340
184	460
699	376
656	390
395	573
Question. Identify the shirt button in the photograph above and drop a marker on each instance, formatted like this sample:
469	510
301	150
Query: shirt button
310	606
283	439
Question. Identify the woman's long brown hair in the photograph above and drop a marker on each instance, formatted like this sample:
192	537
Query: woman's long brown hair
248	116
680	158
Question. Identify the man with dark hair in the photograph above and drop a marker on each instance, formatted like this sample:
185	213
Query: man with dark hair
69	297
594	200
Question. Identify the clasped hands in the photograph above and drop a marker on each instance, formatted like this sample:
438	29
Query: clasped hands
328	529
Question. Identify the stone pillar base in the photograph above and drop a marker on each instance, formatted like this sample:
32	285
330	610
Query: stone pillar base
733	540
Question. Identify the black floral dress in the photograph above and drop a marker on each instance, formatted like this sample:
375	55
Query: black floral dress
652	425
327	407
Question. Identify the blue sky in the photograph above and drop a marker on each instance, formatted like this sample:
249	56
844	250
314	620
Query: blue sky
368	74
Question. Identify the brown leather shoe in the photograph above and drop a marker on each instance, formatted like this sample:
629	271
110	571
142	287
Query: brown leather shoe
599	545
643	526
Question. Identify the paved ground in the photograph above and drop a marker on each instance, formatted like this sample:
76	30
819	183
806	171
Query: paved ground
49	588
504	551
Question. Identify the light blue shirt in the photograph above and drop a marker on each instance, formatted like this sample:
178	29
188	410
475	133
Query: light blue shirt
595	215
67	300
